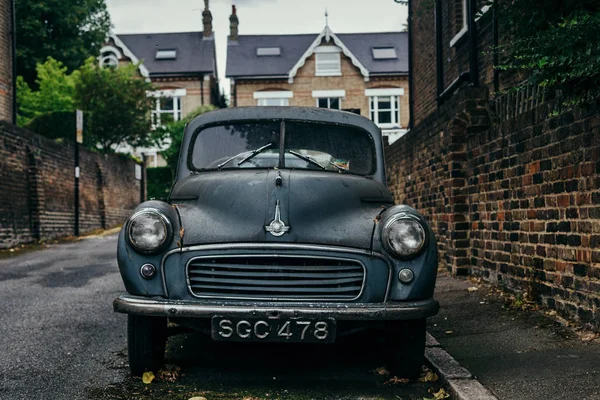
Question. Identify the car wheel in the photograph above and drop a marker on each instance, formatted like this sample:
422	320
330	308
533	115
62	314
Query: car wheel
146	340
404	347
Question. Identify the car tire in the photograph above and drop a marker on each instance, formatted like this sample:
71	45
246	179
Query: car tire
146	341
404	348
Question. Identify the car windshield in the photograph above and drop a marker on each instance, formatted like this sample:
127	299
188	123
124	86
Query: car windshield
308	145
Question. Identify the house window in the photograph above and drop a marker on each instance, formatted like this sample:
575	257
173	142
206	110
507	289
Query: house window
384	53
273	98
167	109
274	101
329	102
385	110
268	51
328	61
167	54
384	106
329	98
460	26
109	57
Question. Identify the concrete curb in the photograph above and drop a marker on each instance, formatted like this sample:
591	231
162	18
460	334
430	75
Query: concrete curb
461	383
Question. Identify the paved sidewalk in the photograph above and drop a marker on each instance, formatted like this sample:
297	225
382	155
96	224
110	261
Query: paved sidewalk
516	354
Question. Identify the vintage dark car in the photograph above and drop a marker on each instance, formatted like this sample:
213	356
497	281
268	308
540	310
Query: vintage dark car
279	228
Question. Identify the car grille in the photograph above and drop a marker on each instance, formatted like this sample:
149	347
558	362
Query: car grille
276	278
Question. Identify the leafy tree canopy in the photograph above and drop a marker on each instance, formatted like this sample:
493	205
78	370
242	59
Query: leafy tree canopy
118	101
55	93
555	43
69	31
115	100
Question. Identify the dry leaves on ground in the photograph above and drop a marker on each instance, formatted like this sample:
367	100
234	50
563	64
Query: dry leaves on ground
472	289
439	395
381	371
429	377
170	373
395	381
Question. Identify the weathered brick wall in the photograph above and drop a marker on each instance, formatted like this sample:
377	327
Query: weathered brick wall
6	78
456	57
515	202
37	182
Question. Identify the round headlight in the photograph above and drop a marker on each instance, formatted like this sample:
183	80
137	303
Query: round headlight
403	236
148	231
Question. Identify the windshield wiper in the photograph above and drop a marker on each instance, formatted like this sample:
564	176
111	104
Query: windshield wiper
254	152
315	162
307	158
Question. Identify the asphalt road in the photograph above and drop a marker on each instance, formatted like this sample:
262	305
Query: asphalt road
60	339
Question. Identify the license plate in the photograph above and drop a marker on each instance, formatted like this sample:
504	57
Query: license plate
274	330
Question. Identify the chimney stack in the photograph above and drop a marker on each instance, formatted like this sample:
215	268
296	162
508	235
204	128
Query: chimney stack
233	24
207	21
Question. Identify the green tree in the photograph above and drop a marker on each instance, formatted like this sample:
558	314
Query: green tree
174	131
56	90
119	104
554	44
70	31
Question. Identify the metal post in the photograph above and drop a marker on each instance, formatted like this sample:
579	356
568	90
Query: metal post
78	139
143	180
76	227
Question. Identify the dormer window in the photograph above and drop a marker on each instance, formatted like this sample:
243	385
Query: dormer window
328	61
167	54
268	51
109	57
384	53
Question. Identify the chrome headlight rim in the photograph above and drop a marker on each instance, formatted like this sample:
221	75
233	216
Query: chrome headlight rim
165	220
385	235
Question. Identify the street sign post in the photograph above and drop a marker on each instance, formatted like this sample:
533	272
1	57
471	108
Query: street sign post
78	139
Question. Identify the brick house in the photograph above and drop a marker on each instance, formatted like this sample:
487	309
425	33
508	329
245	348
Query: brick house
511	189
6	60
365	73
182	66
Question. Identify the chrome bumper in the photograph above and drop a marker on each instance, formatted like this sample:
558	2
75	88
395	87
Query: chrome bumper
359	311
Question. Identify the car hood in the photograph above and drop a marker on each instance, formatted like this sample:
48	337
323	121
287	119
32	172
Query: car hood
318	207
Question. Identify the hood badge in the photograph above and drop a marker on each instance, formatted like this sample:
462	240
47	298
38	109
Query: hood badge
277	227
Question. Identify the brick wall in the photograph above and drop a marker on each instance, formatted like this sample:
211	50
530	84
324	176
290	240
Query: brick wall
37	196
515	202
352	81
456	57
5	61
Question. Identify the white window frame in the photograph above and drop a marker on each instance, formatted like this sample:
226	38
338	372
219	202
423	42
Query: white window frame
177	96
109	57
465	27
328	50
329	94
283	96
394	95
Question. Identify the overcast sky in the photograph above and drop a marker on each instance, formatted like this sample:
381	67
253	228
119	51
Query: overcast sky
256	17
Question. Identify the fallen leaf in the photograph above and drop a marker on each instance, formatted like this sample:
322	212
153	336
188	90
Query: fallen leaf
448	332
169	374
439	395
395	380
382	371
472	289
429	377
147	377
